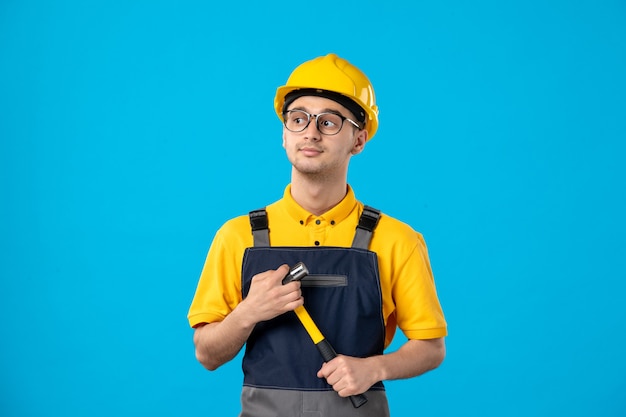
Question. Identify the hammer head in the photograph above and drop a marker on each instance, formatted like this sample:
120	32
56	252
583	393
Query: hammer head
296	273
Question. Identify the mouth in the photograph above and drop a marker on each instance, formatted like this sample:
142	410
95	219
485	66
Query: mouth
310	151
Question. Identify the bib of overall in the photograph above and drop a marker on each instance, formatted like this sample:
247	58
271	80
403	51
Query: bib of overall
343	296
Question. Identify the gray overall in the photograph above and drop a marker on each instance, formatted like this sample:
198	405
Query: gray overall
342	294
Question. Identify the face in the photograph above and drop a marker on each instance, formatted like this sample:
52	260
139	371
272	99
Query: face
313	153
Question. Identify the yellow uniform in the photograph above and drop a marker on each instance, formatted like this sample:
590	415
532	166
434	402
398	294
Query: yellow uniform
408	291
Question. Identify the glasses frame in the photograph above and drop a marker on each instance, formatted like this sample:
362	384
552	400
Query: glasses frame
317	125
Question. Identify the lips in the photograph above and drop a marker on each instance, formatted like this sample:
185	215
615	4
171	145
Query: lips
310	151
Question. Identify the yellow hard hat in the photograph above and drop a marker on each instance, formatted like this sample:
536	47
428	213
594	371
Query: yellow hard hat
334	74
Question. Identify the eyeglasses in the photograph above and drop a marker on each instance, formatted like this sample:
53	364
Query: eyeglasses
327	123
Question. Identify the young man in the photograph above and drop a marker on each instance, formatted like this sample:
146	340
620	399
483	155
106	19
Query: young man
364	281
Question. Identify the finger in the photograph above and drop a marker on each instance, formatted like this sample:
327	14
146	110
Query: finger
264	276
291	296
339	384
282	271
294	304
336	381
326	370
273	274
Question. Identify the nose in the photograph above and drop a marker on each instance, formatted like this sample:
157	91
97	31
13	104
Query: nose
312	132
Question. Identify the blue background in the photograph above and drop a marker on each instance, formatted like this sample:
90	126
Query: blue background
123	149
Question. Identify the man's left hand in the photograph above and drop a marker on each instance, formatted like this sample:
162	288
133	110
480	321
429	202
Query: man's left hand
348	375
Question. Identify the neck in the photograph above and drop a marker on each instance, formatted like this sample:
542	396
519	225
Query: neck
317	195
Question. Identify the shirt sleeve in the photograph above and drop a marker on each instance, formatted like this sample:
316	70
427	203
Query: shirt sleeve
418	311
219	287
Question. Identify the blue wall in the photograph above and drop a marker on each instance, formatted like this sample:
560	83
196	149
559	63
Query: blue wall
123	149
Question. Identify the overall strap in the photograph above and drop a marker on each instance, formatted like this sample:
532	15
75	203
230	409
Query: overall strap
367	223
260	229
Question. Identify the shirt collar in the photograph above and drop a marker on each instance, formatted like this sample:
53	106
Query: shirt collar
336	214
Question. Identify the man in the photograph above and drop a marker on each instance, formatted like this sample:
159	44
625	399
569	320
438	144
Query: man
364	281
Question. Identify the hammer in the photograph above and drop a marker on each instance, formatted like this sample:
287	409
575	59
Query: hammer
296	273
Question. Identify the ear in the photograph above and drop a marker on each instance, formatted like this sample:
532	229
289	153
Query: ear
359	142
284	137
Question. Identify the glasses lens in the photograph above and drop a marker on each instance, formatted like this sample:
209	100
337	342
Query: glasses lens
296	120
329	123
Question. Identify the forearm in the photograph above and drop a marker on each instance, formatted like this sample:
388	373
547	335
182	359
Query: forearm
414	358
218	343
350	376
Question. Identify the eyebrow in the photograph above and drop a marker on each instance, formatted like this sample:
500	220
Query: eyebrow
326	110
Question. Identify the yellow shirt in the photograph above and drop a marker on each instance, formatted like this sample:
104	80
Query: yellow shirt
408	289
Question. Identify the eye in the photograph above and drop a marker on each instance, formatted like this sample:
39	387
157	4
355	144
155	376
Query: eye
327	123
329	120
298	118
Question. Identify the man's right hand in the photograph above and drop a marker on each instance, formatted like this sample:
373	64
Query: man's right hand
217	343
269	298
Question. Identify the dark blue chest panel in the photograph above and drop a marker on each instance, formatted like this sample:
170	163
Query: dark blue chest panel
342	294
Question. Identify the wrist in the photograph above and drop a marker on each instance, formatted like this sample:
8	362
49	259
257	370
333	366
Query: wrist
379	368
243	317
